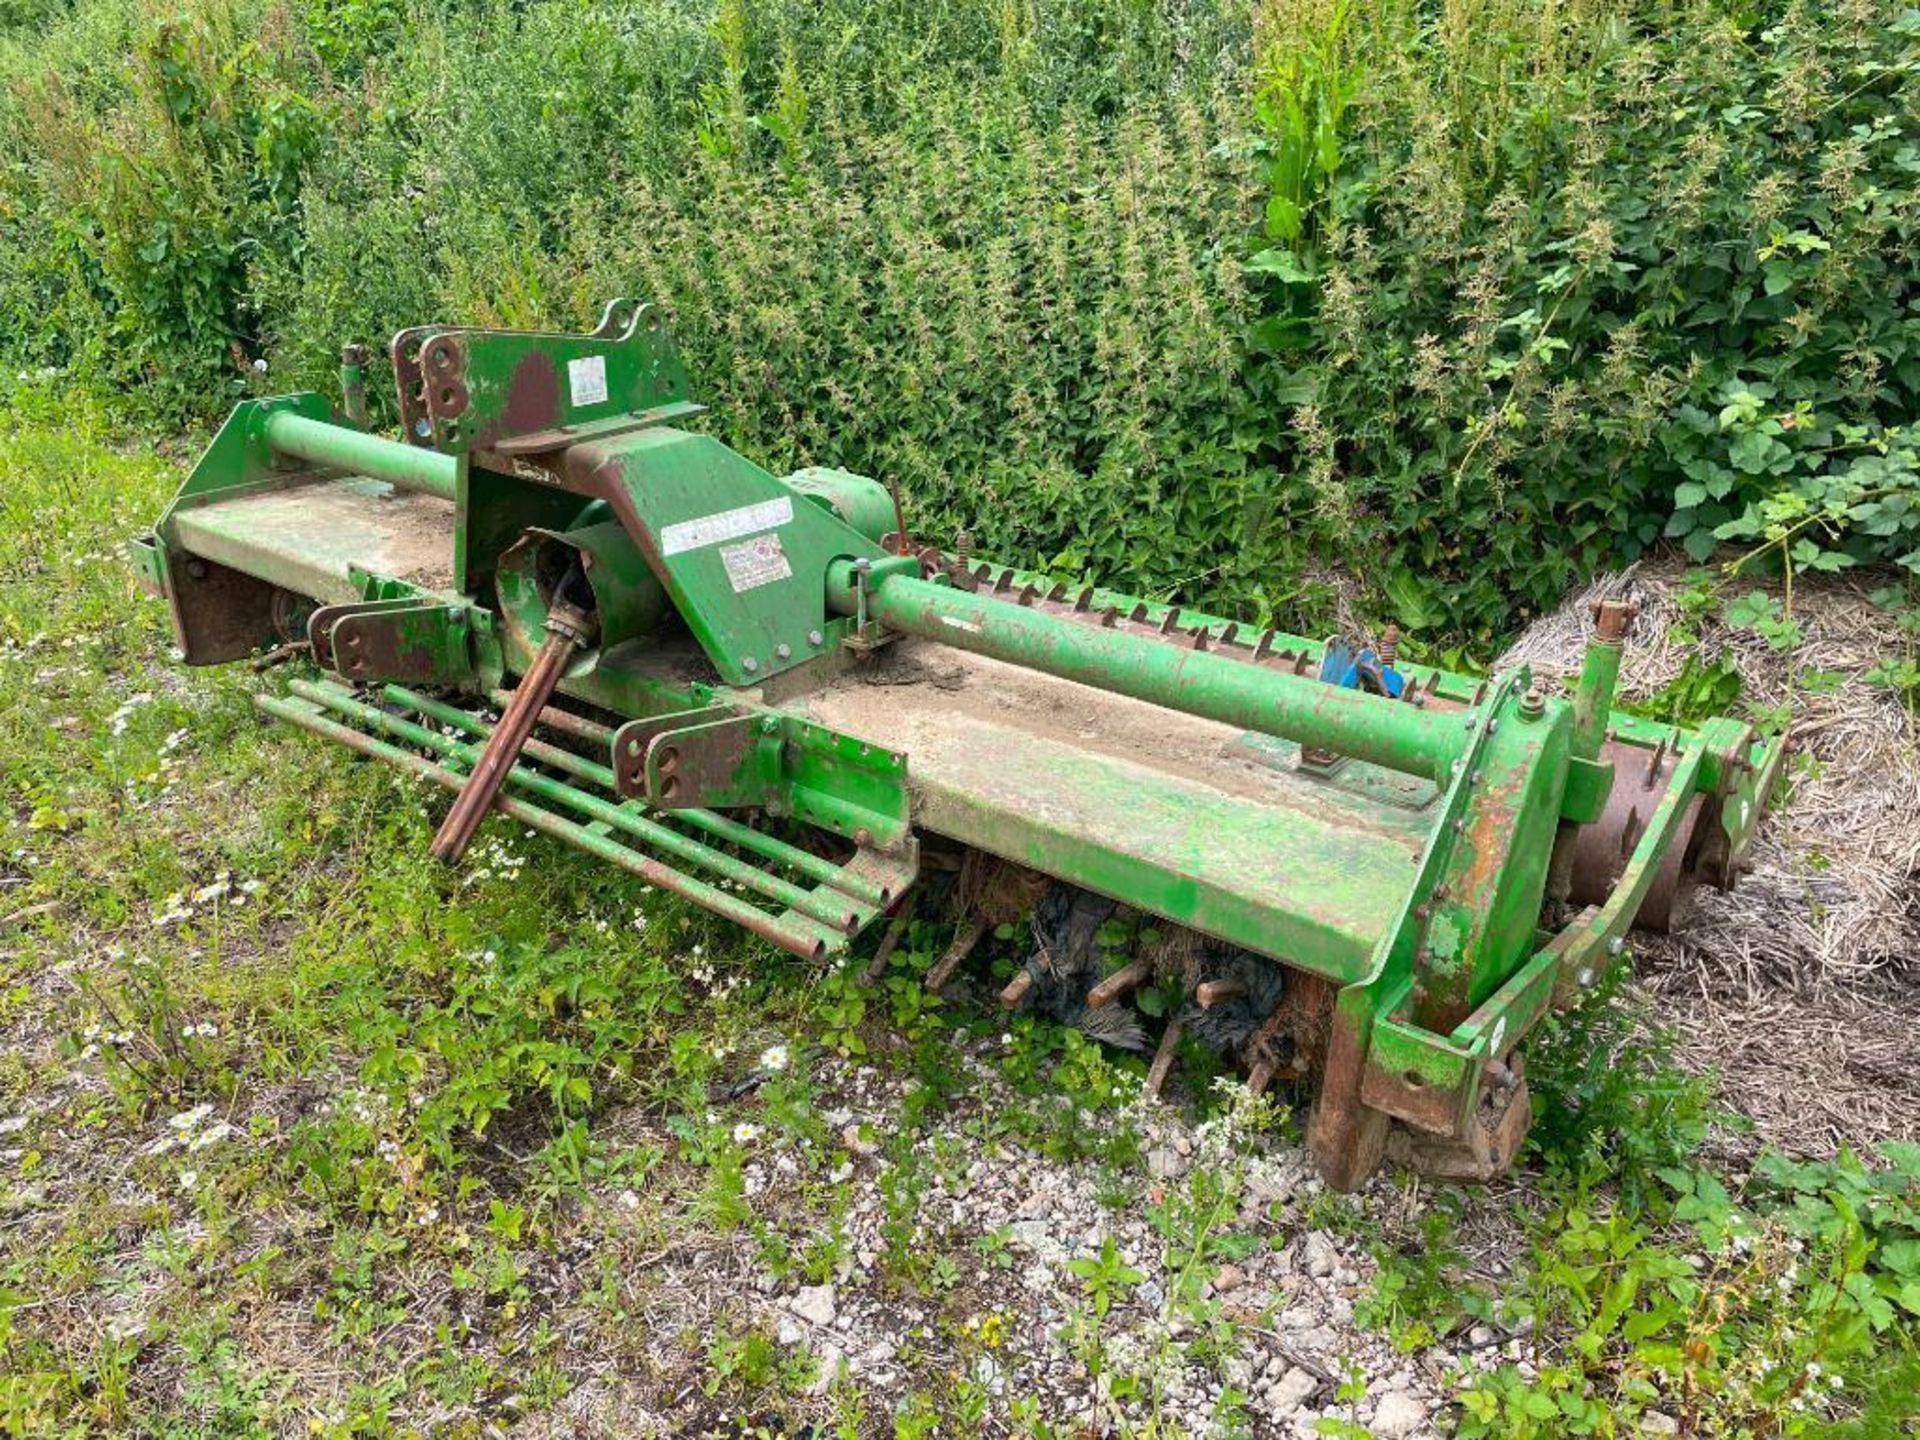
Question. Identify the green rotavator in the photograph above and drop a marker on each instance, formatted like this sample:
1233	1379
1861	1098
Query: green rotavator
1379	876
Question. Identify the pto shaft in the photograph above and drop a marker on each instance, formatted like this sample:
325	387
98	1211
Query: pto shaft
567	630
1390	733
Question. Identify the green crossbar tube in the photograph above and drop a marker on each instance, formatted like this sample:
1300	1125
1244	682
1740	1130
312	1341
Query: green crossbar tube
1391	733
798	935
408	466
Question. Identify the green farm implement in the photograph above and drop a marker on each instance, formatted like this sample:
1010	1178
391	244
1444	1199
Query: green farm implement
762	694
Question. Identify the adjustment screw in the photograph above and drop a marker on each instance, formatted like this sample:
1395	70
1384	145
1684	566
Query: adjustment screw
1533	704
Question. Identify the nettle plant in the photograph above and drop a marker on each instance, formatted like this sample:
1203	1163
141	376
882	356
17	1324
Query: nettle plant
1579	269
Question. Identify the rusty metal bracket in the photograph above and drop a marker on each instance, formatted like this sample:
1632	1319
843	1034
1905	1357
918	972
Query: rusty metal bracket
410	640
724	758
727	764
631	740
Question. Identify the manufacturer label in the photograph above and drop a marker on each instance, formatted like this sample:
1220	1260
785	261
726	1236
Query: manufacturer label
756	562
587	379
724	525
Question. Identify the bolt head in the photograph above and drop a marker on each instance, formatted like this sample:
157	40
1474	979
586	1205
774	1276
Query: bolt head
749	664
782	650
1616	945
814	637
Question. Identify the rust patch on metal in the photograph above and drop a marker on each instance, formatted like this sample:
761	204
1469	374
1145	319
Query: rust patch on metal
219	613
1602	849
533	396
1410	1097
1487	1150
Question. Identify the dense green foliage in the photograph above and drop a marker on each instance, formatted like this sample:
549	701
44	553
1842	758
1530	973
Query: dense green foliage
1208	300
1583	275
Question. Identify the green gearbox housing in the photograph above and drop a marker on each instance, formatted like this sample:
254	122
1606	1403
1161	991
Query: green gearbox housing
758	693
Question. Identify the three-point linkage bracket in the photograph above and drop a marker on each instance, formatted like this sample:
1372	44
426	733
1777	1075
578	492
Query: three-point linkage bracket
743	757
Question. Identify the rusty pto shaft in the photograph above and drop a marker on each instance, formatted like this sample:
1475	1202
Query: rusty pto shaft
568	629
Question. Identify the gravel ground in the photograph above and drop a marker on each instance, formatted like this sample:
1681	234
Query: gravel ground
1010	1317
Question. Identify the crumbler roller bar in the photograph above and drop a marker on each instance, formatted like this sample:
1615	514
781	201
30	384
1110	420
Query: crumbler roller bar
755	692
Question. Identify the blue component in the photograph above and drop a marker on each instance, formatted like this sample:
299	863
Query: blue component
1342	665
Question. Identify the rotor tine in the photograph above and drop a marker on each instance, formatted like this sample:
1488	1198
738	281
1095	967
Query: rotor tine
895	929
1164	1056
1124	981
1213	992
964	940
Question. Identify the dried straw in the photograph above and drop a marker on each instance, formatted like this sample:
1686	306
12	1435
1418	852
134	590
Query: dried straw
1801	989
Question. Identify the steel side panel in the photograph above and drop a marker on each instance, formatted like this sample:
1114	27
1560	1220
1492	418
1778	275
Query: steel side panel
1276	863
307	538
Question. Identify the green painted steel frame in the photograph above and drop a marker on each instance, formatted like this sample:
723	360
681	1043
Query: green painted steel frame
742	555
525	392
778	580
1384	1063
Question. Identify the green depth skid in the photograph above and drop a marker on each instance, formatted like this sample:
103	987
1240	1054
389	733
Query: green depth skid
757	693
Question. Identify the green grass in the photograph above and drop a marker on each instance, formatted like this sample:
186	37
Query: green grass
310	1135
309	1120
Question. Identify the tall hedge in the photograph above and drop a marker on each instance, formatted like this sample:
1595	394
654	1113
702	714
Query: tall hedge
1227	300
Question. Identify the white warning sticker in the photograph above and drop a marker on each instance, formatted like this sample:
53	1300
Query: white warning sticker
725	525
756	562
587	379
